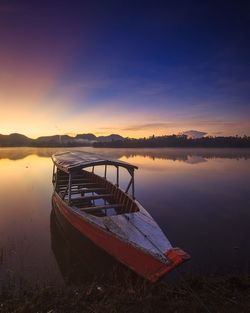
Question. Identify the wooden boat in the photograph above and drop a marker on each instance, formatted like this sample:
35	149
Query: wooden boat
109	216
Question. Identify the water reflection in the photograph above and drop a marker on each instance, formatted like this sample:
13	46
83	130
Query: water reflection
78	259
189	155
200	198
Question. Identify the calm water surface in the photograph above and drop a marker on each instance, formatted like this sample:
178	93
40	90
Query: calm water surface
199	197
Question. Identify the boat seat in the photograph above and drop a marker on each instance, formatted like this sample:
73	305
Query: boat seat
79	176
84	184
87	190
92	197
78	184
73	180
101	207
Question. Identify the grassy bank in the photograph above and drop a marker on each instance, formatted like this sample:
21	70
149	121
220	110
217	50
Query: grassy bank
194	294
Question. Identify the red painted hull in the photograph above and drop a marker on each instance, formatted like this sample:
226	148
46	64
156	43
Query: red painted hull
140	262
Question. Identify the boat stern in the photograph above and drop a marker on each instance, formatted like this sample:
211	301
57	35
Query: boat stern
176	257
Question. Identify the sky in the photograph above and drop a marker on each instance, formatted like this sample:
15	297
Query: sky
135	68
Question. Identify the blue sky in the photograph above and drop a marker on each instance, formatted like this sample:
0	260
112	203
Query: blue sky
130	67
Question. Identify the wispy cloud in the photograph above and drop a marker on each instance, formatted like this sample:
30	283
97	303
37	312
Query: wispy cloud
149	126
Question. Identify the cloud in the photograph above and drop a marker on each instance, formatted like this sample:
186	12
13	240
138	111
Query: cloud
150	126
194	134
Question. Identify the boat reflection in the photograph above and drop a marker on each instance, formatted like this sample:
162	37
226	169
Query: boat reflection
78	259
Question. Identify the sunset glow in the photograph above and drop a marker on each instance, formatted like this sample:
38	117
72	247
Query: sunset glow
120	68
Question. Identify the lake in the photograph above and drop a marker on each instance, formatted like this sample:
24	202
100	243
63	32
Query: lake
199	197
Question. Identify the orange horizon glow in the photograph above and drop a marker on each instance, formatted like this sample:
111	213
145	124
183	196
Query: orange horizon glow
130	134
35	107
33	103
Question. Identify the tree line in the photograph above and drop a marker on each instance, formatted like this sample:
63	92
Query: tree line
178	141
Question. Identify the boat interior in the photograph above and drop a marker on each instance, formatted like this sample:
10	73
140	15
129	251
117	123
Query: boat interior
93	194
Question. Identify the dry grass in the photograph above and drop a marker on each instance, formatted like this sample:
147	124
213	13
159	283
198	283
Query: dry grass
133	295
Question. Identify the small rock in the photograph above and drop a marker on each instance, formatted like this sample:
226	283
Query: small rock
99	288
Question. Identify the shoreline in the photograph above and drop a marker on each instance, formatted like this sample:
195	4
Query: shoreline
126	147
229	293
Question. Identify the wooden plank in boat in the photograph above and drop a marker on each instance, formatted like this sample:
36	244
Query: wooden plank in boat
87	190
78	176
73	180
105	195
83	184
79	184
101	207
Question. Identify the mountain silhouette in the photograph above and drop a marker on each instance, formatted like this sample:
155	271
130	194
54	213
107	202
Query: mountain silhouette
117	141
19	140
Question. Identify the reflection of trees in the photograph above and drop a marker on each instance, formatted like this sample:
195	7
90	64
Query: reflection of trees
189	155
22	152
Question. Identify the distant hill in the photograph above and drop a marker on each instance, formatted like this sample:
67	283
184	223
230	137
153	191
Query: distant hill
15	140
89	137
55	140
110	138
19	140
117	141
